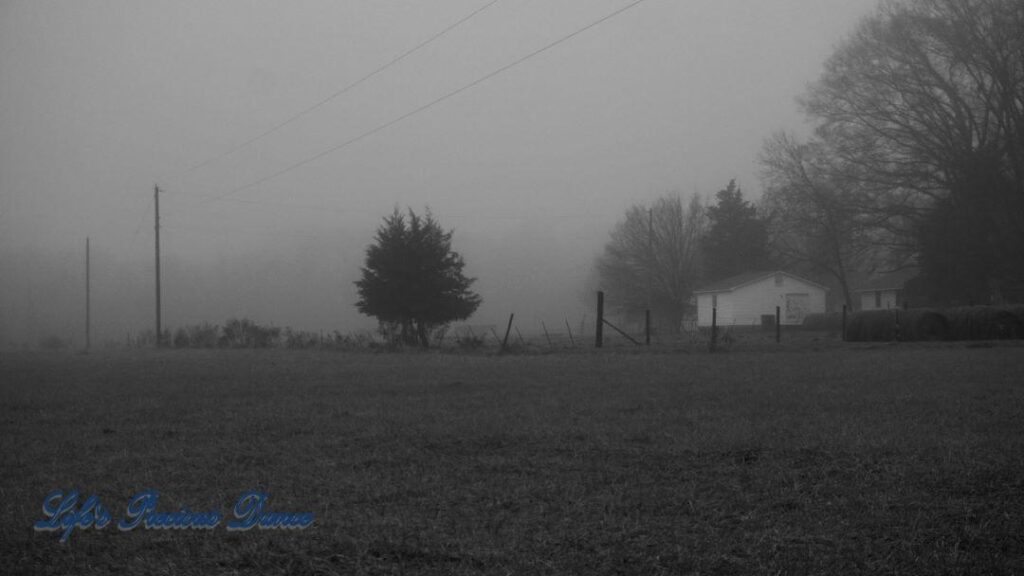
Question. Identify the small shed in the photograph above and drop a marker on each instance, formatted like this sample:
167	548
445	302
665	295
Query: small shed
744	299
885	291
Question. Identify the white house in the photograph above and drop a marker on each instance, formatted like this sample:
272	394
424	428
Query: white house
885	292
742	300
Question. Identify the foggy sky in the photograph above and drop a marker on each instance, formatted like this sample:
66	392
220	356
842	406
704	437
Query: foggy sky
101	100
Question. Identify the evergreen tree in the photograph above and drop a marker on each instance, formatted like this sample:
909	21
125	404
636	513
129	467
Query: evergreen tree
737	239
412	281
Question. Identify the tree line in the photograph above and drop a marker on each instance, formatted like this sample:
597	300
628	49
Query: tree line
916	160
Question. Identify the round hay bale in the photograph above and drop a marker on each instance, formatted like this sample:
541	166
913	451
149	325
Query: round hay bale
1018	312
871	326
984	323
1005	325
923	324
818	322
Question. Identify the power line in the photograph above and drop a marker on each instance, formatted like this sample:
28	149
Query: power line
344	90
428	105
227	234
321	208
145	216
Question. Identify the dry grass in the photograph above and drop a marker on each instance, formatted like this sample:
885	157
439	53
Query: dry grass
853	460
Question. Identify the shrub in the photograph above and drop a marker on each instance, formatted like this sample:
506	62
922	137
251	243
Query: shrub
301	339
470	342
244	333
203	335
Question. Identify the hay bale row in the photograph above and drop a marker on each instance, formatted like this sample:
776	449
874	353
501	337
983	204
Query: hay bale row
830	322
871	326
985	322
923	324
963	323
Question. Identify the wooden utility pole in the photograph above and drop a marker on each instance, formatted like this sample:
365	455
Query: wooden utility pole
156	218
650	275
88	319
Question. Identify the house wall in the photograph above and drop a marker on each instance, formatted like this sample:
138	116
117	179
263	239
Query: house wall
870	300
745	305
704	305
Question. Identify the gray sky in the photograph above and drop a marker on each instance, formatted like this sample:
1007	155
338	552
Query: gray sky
101	100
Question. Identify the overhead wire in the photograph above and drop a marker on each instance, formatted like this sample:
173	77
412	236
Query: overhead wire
427	106
228	235
142	220
340	92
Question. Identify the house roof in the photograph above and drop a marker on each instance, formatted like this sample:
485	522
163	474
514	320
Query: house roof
740	280
892	281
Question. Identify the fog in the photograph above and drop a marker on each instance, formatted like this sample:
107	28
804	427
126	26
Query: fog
531	167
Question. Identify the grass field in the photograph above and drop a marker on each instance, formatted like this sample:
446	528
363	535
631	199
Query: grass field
892	459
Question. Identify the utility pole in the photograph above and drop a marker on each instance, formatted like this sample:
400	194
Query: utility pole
87	294
156	202
650	275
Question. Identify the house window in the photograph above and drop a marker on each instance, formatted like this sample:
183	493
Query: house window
714	300
778	279
878	299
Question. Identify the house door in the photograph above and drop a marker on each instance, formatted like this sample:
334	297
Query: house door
796	307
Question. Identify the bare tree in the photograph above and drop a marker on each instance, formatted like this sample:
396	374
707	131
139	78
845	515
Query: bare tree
924	106
815	215
653	259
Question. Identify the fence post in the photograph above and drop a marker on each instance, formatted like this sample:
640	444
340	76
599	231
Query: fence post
714	329
599	325
504	342
647	327
778	324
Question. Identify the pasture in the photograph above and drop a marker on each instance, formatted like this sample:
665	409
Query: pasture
901	459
